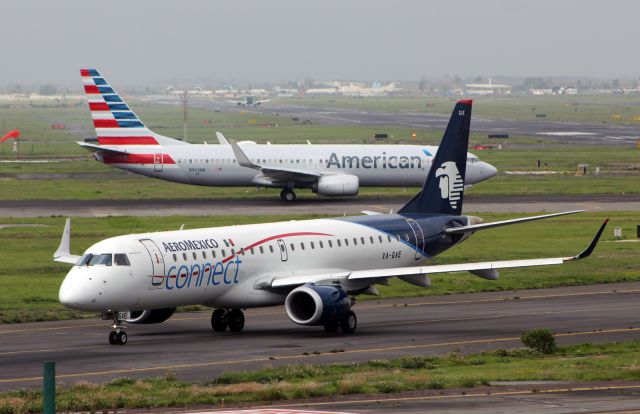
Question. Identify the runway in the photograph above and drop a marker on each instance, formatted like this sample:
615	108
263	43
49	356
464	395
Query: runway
585	133
313	205
187	346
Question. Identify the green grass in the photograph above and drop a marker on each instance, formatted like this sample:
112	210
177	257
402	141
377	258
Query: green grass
579	363
29	279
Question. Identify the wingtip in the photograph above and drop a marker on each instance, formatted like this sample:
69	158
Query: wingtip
587	252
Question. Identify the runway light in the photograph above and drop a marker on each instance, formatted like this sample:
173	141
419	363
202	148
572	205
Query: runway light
413	135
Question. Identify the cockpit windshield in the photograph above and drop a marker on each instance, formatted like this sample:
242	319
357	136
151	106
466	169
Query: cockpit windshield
104	259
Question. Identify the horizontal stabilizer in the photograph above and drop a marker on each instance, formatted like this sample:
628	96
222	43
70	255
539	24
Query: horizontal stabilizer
484	226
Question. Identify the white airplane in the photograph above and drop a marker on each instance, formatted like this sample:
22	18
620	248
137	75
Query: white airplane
250	101
123	141
310	266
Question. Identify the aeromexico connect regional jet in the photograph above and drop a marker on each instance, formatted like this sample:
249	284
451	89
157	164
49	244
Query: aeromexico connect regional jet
329	170
310	266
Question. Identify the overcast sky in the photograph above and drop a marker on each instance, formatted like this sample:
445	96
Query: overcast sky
137	42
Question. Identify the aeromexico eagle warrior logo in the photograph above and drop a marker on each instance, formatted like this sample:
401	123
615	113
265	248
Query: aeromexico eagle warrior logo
451	182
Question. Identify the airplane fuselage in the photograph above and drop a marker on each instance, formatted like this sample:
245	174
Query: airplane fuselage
223	267
216	165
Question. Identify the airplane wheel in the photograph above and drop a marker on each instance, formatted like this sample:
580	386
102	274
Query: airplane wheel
331	327
349	323
235	319
121	338
113	340
219	320
288	195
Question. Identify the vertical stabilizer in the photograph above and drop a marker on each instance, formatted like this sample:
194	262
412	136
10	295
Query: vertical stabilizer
444	187
113	119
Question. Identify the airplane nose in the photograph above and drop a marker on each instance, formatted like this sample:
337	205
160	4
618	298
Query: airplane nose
70	295
488	170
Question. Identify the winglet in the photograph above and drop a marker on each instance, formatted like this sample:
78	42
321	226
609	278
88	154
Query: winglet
221	139
242	158
65	242
586	252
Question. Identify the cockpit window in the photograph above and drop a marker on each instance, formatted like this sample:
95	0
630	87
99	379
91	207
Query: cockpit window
84	260
101	259
121	259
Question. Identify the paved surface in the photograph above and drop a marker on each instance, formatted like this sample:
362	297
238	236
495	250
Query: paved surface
333	206
585	133
186	345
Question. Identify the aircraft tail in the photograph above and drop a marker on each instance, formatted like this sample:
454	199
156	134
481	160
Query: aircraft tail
113	119
444	187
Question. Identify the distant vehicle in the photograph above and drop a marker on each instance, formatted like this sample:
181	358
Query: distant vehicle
250	101
310	266
329	170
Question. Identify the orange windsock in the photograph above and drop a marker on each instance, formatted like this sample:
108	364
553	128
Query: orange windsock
13	134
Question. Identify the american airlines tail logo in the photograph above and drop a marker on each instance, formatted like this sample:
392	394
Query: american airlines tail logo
451	183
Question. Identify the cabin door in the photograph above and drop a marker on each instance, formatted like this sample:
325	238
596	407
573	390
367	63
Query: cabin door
157	262
419	238
157	162
283	250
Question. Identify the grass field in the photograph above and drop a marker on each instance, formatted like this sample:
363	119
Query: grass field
579	363
29	279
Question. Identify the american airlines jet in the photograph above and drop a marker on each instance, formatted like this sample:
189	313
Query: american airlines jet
313	267
123	141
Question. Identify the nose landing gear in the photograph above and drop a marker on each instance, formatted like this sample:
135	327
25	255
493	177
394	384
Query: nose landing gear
117	336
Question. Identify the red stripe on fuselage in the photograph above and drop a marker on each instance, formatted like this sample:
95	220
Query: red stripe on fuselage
137	159
91	89
278	236
98	106
127	141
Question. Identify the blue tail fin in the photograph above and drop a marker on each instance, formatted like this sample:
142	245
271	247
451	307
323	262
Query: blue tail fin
443	189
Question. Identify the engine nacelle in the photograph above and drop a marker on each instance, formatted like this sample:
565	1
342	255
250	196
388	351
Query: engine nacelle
150	316
313	305
337	185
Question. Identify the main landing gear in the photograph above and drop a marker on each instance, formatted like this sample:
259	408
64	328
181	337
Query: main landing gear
348	324
117	336
233	319
288	195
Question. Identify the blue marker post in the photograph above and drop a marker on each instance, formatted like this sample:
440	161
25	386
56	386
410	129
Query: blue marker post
49	388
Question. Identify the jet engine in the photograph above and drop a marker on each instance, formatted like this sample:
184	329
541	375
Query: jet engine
313	305
150	316
337	185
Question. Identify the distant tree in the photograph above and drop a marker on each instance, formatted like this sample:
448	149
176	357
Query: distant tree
457	81
477	79
47	89
423	84
615	84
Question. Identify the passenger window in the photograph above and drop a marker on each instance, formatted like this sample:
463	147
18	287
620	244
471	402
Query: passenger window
362	240
302	245
346	242
121	259
313	246
389	237
380	238
233	252
330	244
223	253
175	257
184	256
271	248
213	253
371	238
293	247
261	250
204	254
321	246
338	241
194	255
355	241
252	252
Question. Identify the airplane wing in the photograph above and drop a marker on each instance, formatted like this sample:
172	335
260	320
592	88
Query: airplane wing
63	254
475	227
99	148
272	173
221	139
418	274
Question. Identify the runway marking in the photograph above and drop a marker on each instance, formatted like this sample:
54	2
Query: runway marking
297	356
372	306
489	394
